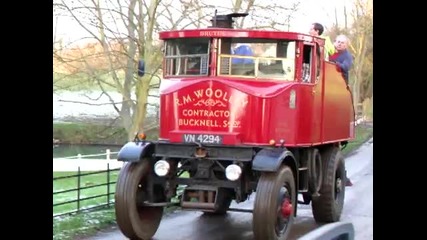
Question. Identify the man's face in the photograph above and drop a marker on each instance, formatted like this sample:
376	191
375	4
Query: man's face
313	31
341	43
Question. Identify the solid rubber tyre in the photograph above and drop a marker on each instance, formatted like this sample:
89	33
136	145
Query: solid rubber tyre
315	172
328	206
272	189
134	220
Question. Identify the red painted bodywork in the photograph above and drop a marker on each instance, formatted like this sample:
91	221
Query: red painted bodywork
234	33
251	111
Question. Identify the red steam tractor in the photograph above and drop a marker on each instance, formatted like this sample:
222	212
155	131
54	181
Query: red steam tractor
241	112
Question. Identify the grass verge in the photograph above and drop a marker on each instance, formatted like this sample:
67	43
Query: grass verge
88	224
94	185
82	224
363	133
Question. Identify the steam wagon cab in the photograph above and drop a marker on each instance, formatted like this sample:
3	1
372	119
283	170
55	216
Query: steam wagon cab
241	112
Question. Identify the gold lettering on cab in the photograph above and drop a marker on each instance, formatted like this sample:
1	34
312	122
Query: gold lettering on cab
212	34
208	97
208	107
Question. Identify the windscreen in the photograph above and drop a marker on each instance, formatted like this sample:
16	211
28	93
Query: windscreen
187	57
257	58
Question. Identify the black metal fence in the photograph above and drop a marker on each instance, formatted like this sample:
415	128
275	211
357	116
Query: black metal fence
79	199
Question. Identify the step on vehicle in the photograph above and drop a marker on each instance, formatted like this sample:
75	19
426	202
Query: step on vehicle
242	112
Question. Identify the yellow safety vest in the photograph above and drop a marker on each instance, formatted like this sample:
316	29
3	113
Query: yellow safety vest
329	47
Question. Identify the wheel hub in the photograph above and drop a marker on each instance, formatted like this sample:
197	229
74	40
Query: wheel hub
338	186
286	208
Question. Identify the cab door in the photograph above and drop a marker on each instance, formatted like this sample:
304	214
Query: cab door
312	80
317	92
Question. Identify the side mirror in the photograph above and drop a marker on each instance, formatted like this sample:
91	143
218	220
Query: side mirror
141	68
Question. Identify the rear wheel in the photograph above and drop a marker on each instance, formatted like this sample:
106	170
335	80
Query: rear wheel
274	206
328	206
134	220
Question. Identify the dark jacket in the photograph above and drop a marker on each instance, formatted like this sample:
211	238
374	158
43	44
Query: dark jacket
243	50
344	61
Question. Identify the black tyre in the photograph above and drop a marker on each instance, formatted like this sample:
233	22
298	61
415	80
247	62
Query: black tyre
134	220
121	208
328	206
315	172
274	205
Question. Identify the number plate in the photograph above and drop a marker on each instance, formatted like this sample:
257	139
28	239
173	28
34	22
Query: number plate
202	138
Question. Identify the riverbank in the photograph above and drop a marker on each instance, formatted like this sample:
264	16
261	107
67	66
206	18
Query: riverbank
93	133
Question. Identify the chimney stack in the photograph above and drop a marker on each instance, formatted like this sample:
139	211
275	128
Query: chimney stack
225	21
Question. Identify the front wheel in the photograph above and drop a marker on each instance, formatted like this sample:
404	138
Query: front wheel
274	205
135	220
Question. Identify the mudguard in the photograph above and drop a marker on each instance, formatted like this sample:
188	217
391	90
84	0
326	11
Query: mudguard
337	230
269	160
134	151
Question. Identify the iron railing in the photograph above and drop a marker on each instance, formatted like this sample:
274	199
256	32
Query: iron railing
79	198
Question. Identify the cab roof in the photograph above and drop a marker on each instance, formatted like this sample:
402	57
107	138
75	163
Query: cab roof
236	33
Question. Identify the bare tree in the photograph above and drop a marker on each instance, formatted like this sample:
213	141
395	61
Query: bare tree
360	33
123	32
361	46
262	15
198	13
182	14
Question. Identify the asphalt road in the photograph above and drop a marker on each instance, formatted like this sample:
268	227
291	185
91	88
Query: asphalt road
358	209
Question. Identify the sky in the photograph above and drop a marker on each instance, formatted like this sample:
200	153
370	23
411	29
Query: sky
318	11
309	11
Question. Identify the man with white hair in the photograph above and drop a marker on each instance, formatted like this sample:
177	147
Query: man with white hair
342	57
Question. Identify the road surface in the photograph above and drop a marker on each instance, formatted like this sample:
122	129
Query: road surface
358	209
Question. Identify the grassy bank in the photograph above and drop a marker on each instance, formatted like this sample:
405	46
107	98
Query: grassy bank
87	133
87	224
84	224
363	133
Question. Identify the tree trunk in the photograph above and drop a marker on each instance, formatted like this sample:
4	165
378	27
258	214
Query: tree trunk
140	113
